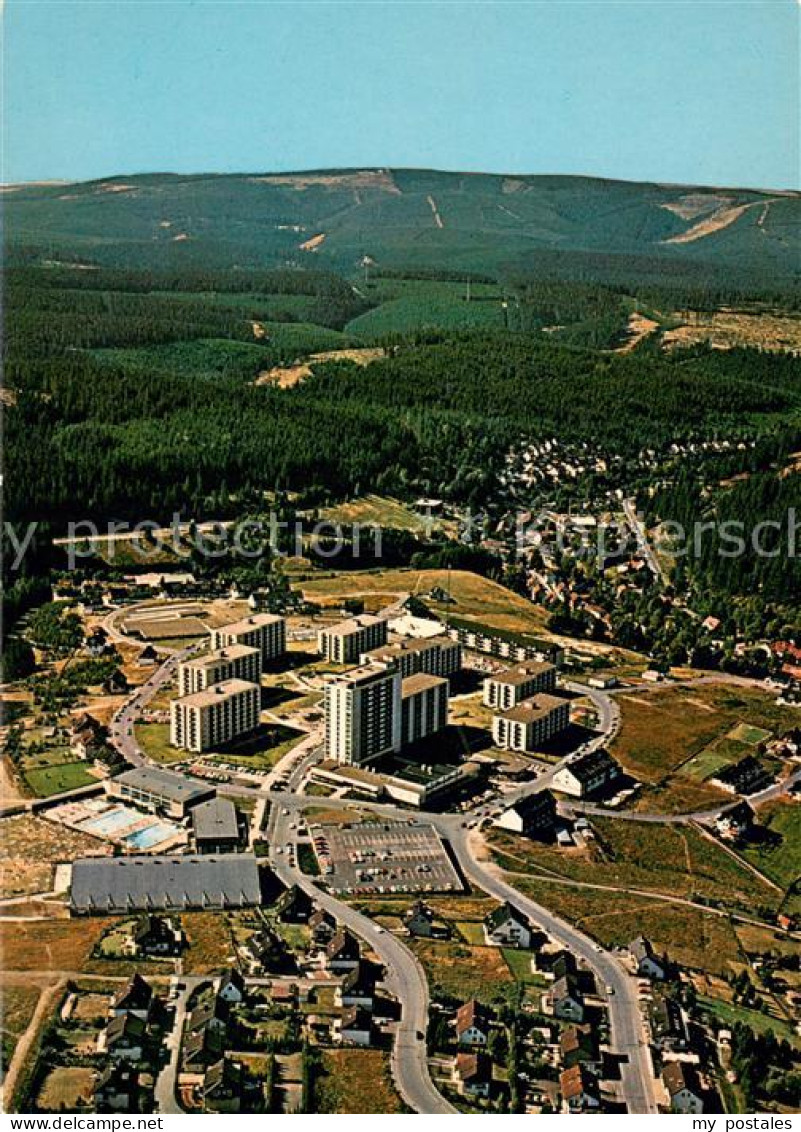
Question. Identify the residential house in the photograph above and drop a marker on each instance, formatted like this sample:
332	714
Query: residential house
155	935
646	963
506	926
124	1037
231	986
136	998
534	816
356	1027
736	821
342	953
587	775
682	1088
473	1074
117	1088
222	1084
579	1089
565	999
202	1048
577	1046
294	906
212	1014
472	1024
748	776
668	1025
323	927
419	920
357	987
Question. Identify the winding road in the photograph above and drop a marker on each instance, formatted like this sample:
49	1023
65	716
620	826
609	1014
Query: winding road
405	977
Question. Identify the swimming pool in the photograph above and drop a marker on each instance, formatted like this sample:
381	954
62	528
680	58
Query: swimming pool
112	821
151	835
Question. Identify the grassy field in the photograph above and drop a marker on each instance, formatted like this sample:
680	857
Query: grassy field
728	1013
67	1089
259	751
780	860
460	970
154	739
671	737
29	848
691	937
475	598
51	945
674	861
409	304
355	1081
210	940
45	781
382	512
19	1004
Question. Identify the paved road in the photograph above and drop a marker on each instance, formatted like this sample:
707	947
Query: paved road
643	545
404	978
164	1092
626	1024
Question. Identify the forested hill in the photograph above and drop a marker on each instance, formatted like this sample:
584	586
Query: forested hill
396	218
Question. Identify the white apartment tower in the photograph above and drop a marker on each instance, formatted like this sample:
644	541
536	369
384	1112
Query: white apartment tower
506	689
235	662
345	642
263	631
216	715
363	714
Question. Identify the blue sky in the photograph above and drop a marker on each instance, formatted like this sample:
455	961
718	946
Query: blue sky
705	91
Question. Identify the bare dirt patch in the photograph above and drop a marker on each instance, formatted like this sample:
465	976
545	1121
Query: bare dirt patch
721	218
361	179
30	847
287	376
638	328
725	329
314	243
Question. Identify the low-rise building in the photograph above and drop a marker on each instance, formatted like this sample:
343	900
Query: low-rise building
533	816
124	1038
565	999
345	642
579	1089
472	1024
682	1088
117	1088
506	689
587	775
155	935
157	790
216	826
343	952
506	926
646	963
217	715
135	998
736	821
577	1046
222	1084
525	727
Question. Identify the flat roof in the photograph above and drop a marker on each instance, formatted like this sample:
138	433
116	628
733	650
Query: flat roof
352	625
535	708
164	782
216	693
123	884
254	621
412	644
521	673
228	652
363	674
215	819
420	682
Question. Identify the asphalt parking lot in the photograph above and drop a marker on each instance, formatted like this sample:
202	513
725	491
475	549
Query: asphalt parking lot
384	857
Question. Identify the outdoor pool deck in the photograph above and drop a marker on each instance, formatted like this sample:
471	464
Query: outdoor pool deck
122	825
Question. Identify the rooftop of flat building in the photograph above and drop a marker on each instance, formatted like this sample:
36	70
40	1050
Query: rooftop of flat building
421	682
217	692
352	624
522	673
229	652
529	711
254	621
